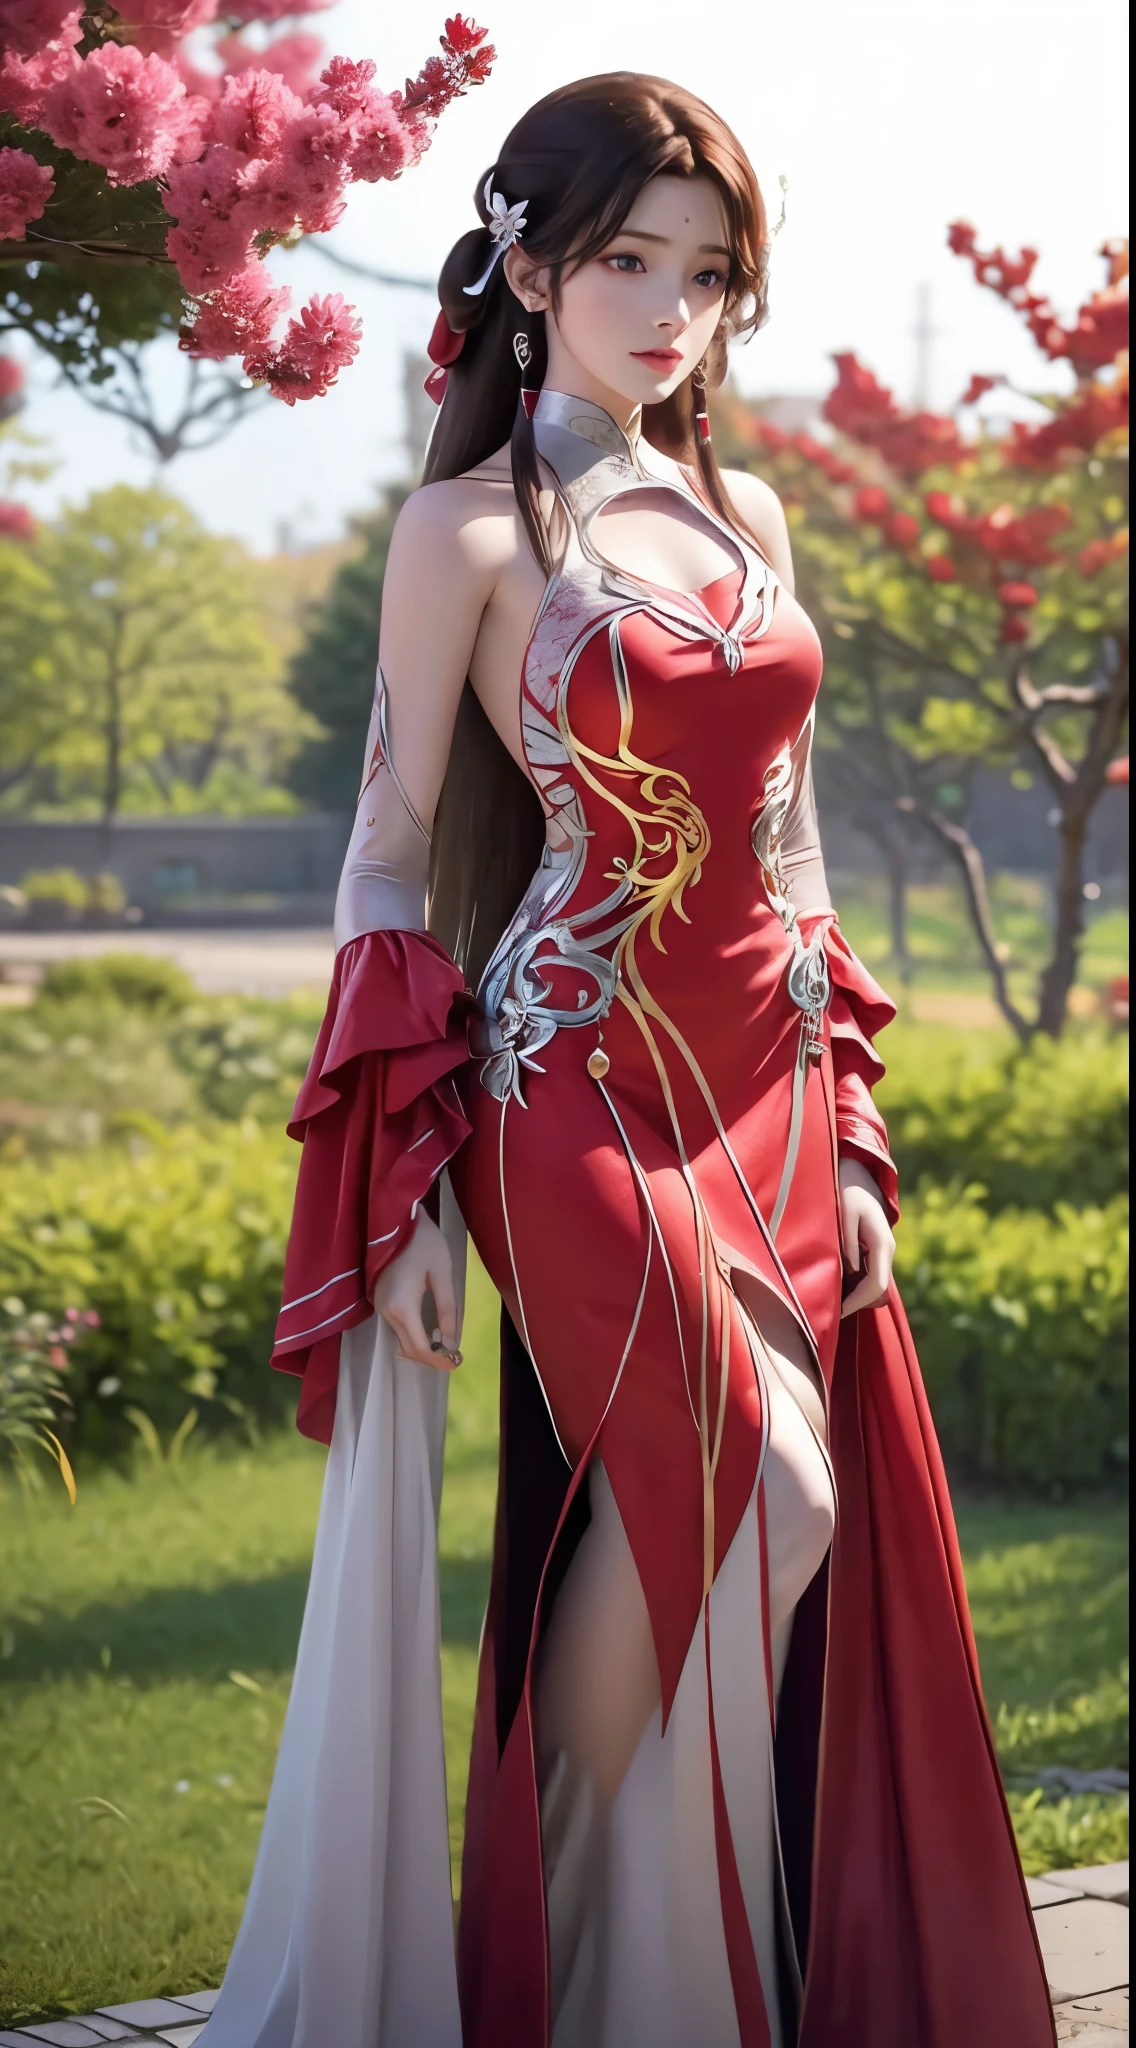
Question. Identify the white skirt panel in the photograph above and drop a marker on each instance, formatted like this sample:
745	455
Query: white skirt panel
347	1935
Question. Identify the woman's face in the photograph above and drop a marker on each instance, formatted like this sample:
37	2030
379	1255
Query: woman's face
636	319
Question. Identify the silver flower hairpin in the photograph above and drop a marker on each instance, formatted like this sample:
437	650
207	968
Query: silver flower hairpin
504	224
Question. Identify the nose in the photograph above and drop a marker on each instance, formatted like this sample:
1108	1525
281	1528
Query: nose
674	316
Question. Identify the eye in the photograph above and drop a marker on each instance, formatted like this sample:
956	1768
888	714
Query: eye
711	280
626	260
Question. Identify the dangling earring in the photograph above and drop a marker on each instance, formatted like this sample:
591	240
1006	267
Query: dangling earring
522	349
701	416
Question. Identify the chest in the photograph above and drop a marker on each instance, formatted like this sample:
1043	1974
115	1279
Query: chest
660	538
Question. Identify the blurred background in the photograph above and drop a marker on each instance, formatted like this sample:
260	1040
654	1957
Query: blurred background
190	581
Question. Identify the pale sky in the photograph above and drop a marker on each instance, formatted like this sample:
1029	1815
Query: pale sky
888	118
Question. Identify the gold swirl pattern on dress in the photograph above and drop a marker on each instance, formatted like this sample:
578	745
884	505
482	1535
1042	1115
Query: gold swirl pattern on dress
665	808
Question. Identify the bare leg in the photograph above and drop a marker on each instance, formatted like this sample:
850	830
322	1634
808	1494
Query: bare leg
800	1505
596	1685
596	1682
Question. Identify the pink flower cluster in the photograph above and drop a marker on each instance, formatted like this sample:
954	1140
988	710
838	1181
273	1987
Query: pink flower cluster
37	48
315	348
248	156
127	112
25	188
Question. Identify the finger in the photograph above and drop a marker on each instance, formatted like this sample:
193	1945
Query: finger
409	1343
878	1266
419	1342
850	1229
442	1288
863	1295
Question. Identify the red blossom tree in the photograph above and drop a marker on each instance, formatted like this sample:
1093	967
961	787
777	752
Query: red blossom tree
969	579
142	183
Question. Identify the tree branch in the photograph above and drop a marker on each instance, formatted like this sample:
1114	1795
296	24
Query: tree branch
354	269
968	859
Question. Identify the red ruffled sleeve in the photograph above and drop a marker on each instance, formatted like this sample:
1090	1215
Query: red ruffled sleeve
379	1116
858	1010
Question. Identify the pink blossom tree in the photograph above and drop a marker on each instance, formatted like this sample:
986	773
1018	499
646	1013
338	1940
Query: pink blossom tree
151	157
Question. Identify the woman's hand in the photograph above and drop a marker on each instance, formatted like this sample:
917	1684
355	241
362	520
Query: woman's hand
424	1266
867	1236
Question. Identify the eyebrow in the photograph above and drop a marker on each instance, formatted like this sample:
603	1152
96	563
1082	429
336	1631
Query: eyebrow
641	235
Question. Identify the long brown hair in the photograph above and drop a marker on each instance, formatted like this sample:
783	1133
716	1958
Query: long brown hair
579	159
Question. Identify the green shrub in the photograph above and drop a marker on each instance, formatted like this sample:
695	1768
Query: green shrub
1021	1323
73	1074
178	1245
106	895
56	885
247	1058
133	981
1034	1127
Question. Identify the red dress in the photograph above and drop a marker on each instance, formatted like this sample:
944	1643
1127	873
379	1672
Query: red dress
669	1051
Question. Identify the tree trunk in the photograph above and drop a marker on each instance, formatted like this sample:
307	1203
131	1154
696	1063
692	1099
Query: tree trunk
1078	791
971	866
1069	923
112	784
112	779
896	855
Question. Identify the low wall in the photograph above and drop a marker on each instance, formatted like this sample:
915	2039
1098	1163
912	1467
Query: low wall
183	870
180	868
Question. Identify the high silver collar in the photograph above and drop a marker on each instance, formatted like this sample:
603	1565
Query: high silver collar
574	434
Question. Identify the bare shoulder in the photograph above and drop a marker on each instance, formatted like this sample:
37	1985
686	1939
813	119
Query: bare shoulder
460	523
757	503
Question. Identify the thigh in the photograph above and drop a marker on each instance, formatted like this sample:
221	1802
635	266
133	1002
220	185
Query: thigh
800	1506
596	1682
784	1341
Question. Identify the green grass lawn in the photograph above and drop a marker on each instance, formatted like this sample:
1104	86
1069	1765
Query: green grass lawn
148	1636
944	955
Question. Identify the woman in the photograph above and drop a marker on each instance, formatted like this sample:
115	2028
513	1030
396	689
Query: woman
732	1783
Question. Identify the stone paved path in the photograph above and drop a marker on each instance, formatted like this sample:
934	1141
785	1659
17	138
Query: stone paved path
1082	1923
254	963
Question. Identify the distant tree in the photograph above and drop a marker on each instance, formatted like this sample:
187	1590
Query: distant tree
969	579
149	681
32	695
333	675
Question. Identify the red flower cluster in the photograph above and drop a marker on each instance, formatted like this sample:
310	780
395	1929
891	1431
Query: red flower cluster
16	522
1002	535
1099	554
1096	410
1100	331
909	442
466	60
248	156
941	569
775	441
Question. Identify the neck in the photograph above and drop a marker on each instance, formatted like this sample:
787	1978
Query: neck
565	374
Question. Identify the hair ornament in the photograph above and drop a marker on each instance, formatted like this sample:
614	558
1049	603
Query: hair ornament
505	223
443	348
